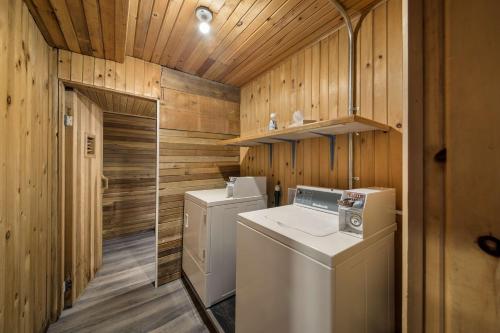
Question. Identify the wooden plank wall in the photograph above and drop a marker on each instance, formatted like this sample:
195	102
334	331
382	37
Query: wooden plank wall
190	158
314	81
130	166
83	221
133	76
29	283
469	77
194	104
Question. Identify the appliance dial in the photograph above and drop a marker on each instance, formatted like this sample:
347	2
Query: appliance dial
355	220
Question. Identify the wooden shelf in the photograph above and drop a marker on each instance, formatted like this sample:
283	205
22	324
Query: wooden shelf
329	128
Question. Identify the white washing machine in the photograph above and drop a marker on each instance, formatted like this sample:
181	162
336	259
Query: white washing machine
299	269
209	235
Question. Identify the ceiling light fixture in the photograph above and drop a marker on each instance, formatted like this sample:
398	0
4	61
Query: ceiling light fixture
204	15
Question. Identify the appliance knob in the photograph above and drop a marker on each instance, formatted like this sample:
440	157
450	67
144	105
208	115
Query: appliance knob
355	220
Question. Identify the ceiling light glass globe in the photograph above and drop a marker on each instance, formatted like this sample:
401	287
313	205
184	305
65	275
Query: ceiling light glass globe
204	28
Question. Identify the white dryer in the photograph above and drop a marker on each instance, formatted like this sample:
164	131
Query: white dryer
296	271
209	236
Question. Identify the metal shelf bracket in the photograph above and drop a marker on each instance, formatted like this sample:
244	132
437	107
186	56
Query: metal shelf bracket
331	139
293	147
270	152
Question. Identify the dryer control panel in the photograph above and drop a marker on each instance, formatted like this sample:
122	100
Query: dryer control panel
363	212
323	199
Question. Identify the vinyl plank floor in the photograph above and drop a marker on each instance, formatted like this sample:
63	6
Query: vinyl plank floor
224	312
122	297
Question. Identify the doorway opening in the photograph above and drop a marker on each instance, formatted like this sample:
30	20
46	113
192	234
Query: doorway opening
111	208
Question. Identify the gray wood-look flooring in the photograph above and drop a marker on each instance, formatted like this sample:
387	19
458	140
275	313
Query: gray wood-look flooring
122	297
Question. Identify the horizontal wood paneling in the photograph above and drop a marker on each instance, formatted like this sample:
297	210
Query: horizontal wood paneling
133	76
130	166
314	81
30	282
195	104
176	80
195	115
92	27
188	161
83	194
192	112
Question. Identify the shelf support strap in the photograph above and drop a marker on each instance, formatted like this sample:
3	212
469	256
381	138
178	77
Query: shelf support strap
270	152
331	139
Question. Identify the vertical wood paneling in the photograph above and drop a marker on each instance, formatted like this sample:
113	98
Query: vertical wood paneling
377	155
76	67
4	68
133	76
27	199
88	70
110	77
99	72
83	186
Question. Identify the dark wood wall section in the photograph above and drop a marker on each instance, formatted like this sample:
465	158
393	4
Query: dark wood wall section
30	279
130	166
190	159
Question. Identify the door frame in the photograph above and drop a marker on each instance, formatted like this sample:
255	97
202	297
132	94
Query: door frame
413	172
61	195
157	215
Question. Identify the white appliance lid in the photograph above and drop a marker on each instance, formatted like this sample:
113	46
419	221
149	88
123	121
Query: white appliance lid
318	223
296	234
216	197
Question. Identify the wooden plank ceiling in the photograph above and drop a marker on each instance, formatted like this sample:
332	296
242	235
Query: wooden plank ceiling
119	103
92	27
247	36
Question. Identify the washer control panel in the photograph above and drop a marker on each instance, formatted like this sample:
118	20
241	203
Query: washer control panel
364	211
322	199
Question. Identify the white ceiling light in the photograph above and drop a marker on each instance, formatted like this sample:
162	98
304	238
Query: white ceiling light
204	15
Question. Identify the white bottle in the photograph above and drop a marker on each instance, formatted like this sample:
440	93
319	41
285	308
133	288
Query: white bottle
273	125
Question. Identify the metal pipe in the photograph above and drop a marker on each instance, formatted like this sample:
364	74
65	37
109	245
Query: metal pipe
350	59
350	82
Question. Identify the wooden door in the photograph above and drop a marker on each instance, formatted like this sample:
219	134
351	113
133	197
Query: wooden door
472	173
83	202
